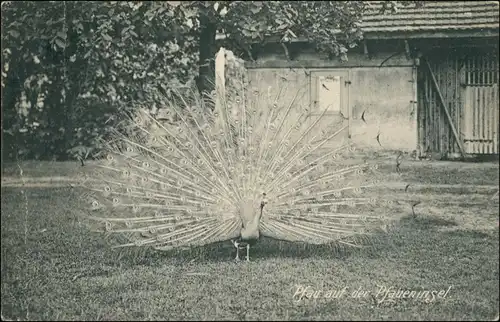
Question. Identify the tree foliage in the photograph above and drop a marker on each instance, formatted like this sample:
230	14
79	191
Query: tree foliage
69	68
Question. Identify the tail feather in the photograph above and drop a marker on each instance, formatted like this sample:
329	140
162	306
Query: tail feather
182	183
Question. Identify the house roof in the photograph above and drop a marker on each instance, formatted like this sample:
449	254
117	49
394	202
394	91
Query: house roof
433	16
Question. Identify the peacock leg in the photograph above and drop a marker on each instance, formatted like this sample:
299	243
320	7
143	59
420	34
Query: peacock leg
248	252
237	245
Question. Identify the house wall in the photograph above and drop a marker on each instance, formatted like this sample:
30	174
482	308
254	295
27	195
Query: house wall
386	93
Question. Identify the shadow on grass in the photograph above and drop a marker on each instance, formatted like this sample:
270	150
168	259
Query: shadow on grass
427	222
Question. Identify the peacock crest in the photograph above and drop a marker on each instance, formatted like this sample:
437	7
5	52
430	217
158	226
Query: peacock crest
264	161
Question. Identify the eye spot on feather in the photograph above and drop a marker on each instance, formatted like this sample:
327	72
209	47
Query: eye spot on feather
129	149
108	226
128	224
145	165
373	201
352	148
110	157
95	204
116	201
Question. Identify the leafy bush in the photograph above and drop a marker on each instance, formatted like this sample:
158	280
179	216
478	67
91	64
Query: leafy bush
70	67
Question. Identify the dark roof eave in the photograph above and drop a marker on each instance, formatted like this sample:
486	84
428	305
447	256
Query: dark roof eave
465	33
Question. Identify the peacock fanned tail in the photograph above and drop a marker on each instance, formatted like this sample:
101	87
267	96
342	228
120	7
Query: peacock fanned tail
183	181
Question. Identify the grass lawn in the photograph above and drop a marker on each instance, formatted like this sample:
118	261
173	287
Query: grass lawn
54	269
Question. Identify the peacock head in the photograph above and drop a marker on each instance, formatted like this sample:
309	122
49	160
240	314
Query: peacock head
264	201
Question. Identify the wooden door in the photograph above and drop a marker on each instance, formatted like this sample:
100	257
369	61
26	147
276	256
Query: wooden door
330	92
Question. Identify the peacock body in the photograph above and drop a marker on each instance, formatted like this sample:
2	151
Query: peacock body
262	163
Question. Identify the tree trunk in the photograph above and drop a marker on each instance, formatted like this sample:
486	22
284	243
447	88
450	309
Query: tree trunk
208	50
